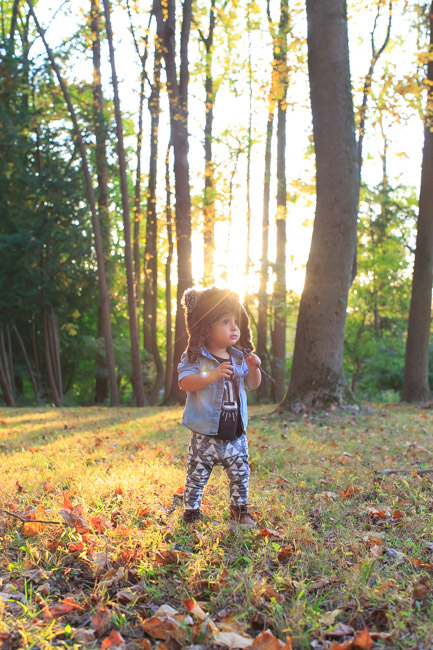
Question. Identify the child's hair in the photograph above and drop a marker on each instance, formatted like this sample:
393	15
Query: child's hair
203	309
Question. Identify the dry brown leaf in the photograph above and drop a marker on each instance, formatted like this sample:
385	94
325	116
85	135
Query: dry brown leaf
101	622
232	640
169	556
267	641
63	607
114	640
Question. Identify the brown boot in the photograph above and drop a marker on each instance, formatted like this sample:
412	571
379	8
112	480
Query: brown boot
241	515
191	516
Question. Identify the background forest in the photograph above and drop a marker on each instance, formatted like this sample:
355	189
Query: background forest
197	126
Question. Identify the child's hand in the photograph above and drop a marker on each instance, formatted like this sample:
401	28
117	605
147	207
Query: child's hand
253	361
225	369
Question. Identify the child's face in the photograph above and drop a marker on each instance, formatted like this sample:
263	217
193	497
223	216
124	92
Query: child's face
225	332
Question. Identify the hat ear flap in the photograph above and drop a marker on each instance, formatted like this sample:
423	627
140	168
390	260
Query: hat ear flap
189	299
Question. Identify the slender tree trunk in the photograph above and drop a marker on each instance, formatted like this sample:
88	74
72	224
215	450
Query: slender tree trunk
36	348
416	386
209	181
103	293
317	372
375	55
137	199
278	333
249	145
52	359
168	330
5	377
178	99
101	383
27	362
262	328
137	376
150	252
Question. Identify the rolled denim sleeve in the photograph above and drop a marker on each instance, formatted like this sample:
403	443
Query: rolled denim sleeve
185	368
245	371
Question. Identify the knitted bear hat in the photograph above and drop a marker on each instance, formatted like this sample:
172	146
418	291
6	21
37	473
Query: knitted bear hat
202	310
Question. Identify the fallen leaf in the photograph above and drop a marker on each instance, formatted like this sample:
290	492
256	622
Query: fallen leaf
232	640
267	641
329	617
169	556
63	607
101	622
114	640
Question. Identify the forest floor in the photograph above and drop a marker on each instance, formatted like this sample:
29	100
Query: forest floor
341	556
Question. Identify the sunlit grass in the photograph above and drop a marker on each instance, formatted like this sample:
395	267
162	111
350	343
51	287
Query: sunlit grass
364	552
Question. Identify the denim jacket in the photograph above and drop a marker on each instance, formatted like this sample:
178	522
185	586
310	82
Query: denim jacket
203	406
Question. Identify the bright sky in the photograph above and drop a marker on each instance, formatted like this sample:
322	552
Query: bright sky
404	138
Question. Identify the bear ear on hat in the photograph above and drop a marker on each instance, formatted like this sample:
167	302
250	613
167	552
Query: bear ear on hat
189	299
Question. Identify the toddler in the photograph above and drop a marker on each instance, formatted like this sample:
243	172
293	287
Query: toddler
214	373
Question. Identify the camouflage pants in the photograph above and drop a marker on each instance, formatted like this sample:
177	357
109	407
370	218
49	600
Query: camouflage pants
204	452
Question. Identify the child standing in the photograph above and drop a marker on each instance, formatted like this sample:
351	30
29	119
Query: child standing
214	374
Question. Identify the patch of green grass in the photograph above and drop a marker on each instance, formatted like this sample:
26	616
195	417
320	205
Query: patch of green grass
360	542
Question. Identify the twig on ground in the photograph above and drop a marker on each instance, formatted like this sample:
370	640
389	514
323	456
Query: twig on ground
33	521
404	471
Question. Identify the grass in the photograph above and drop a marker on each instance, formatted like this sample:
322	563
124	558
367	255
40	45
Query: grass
336	542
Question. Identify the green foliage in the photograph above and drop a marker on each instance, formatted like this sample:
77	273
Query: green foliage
379	298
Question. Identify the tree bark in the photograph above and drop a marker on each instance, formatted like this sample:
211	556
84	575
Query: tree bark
5	379
150	252
279	294
209	182
27	362
262	328
416	387
168	329
137	376
178	100
317	377
52	358
103	293
101	382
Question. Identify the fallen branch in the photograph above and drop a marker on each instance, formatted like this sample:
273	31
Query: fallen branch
33	521
404	471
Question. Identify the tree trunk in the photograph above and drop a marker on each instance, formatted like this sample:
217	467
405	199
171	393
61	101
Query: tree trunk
416	386
52	358
168	330
5	378
209	181
317	372
27	362
137	377
178	100
262	328
150	253
101	382
103	293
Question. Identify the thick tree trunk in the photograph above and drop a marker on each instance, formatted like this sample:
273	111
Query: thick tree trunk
103	293
178	99
168	327
137	376
262	328
317	372
150	252
416	386
101	382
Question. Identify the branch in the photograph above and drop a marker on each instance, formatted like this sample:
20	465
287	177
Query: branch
404	471
31	521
